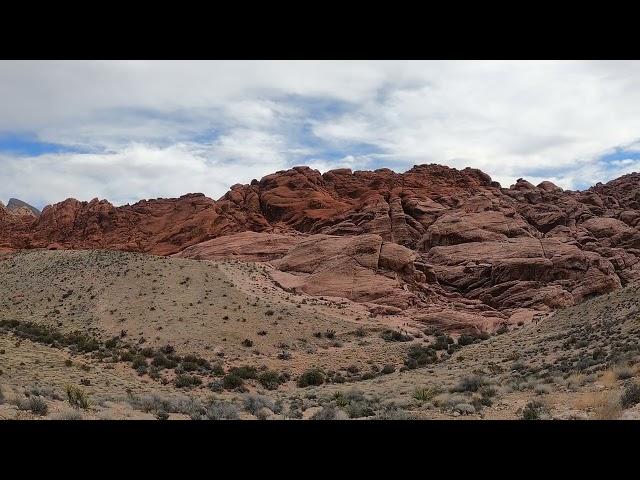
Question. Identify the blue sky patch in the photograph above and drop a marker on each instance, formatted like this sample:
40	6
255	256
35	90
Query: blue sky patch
29	145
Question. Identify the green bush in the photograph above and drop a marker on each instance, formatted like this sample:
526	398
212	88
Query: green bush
471	383
395	336
77	397
160	361
184	380
269	380
442	342
419	355
388	368
245	372
35	404
424	394
139	361
232	381
465	339
313	376
534	410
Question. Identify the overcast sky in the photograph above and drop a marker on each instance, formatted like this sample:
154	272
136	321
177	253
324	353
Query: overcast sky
127	130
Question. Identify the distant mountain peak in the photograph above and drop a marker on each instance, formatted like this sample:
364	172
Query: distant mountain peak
15	204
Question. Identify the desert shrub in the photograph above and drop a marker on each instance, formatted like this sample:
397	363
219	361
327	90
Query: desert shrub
484	335
480	402
534	410
442	342
313	376
394	336
471	383
216	386
162	415
359	409
35	404
284	355
630	396
191	407
392	412
245	372
269	380
488	391
152	403
231	381
184	380
425	394
154	373
328	412
353	369
147	352
219	410
542	389
247	343
253	403
160	361
355	404
77	397
45	391
68	415
330	334
419	355
139	361
189	366
199	362
502	329
388	368
167	349
217	369
464	408
623	373
127	356
465	339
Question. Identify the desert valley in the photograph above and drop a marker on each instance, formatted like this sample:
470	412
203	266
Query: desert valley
435	293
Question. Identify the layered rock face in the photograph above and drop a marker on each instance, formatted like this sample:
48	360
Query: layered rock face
465	250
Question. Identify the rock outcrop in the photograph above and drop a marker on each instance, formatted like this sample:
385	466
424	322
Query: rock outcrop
448	245
20	207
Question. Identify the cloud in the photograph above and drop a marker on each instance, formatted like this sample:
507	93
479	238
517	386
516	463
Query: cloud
142	171
125	130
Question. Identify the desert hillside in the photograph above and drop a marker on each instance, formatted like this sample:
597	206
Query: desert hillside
446	247
107	334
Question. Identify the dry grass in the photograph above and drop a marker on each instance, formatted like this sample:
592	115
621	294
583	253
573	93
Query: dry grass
604	405
608	378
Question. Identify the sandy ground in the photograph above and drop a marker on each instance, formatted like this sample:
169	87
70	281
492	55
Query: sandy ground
209	308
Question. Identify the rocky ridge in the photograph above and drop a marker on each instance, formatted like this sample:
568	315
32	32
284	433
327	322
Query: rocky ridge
446	246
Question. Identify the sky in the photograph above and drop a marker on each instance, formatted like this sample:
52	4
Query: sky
130	130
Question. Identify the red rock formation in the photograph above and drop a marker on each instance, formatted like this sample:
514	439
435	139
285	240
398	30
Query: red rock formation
460	242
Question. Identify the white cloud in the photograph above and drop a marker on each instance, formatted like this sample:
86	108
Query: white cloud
171	127
140	171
